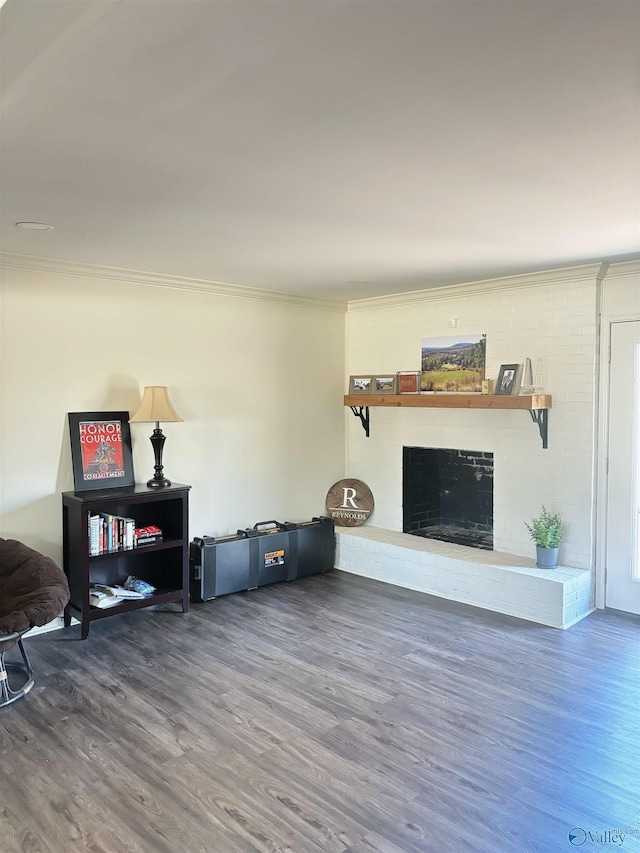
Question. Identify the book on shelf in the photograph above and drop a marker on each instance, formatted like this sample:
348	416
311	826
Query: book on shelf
107	522
148	540
110	533
150	535
130	526
94	536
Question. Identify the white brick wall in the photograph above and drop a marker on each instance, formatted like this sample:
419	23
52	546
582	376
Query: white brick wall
552	319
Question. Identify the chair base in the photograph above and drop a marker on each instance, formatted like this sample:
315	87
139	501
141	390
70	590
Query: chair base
8	693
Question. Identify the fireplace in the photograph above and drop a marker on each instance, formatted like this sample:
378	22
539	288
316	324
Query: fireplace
448	495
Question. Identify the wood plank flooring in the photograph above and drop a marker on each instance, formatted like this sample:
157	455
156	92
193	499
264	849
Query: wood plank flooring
329	715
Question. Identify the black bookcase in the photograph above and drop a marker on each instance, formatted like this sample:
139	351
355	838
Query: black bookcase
165	566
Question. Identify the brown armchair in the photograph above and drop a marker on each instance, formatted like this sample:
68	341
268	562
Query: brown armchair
33	591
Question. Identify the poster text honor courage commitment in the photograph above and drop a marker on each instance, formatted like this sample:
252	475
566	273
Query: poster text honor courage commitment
101	448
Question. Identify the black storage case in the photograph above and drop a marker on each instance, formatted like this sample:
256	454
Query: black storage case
268	552
313	546
218	566
271	558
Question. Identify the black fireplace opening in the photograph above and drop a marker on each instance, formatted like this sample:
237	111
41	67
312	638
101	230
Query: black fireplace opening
448	495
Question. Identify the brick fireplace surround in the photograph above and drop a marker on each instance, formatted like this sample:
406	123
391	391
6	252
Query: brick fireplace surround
550	317
492	580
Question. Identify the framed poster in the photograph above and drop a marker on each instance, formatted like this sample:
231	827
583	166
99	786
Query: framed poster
100	450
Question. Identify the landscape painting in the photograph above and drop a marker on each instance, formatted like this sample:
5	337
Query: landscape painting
453	363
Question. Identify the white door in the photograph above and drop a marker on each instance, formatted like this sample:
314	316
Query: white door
623	483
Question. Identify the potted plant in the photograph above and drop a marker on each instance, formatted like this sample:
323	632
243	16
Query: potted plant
546	531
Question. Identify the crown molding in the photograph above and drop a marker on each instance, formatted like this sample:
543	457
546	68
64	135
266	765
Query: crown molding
51	266
566	275
624	269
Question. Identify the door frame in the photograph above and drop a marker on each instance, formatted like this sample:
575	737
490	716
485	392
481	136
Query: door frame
606	322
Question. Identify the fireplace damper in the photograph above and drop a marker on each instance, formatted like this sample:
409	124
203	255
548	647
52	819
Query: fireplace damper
448	495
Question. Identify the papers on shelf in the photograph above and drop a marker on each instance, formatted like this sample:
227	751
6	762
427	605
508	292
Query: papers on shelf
103	596
106	601
120	591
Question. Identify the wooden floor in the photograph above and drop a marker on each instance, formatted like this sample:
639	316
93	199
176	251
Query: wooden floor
330	715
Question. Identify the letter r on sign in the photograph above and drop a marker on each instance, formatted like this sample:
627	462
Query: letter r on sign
349	498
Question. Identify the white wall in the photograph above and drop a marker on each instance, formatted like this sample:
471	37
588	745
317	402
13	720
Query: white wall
550	318
258	382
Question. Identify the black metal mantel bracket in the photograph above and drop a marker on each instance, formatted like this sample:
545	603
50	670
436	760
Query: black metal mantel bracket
541	417
362	412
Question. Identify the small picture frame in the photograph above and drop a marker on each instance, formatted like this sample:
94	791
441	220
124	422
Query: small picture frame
100	450
508	379
384	384
360	384
408	382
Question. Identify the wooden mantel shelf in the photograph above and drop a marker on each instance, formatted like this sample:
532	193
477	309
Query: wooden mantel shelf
451	401
537	405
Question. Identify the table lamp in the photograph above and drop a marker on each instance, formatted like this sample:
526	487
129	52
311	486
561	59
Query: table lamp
155	407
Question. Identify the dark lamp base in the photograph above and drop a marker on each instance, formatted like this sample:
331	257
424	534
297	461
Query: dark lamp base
158	483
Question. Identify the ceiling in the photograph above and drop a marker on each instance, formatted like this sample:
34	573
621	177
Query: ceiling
337	149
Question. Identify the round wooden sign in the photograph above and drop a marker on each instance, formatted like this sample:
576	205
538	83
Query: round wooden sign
349	503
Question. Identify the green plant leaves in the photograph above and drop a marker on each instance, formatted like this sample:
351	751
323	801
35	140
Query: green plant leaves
546	530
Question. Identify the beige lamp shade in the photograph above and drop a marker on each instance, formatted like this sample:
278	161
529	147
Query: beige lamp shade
155	407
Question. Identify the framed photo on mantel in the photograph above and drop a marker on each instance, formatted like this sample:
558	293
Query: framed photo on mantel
361	384
100	450
508	379
384	384
408	382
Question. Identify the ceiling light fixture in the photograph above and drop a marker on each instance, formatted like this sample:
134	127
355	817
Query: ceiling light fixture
35	226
